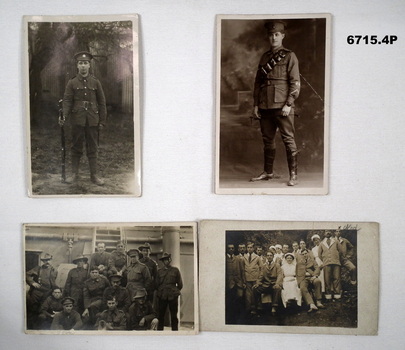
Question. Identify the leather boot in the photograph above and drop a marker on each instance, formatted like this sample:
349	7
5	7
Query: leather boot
267	174
74	178
93	172
293	168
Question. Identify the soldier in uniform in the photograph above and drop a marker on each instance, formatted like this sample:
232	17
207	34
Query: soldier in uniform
41	280
67	319
120	293
168	285
101	259
142	316
152	266
347	253
112	319
276	87
75	282
84	104
49	308
136	274
118	260
93	295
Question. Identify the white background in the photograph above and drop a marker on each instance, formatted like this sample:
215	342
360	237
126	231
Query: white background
367	171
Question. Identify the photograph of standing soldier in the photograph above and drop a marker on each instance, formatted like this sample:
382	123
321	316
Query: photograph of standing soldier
276	87
75	282
168	284
152	266
346	256
84	105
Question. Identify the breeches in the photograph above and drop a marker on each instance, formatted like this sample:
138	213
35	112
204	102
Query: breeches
82	134
271	119
173	308
317	286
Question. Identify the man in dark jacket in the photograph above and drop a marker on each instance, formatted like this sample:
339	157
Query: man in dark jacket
68	319
168	285
75	282
142	316
84	104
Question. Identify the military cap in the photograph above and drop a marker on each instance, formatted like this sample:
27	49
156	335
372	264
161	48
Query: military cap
275	26
132	251
68	300
83	56
140	293
46	256
115	276
80	257
165	256
145	246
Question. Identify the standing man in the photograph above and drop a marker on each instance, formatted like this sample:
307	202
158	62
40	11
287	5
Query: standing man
347	253
168	284
84	104
137	274
276	87
235	285
101	259
330	253
152	266
118	260
253	269
75	282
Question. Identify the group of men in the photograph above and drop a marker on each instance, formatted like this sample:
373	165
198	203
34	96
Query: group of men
254	280
110	293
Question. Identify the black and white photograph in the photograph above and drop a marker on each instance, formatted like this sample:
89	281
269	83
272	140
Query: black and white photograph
272	108
288	278
82	105
111	278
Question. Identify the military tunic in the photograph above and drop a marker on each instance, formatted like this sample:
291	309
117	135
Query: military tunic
117	263
115	318
65	321
74	286
93	295
138	277
98	259
152	266
121	297
137	312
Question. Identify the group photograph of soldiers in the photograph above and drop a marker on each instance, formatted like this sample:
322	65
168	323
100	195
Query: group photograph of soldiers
292	277
110	278
83	104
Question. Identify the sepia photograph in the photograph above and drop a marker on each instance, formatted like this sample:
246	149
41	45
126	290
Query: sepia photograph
118	278
272	104
82	105
293	277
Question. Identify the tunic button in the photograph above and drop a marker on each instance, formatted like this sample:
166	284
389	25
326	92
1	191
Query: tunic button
85	94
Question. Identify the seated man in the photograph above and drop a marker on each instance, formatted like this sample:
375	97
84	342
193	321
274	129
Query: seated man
142	317
270	281
307	276
111	319
67	319
49	308
120	294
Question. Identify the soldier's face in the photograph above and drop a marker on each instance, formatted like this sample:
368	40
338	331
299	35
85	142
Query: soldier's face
259	251
115	283
231	249
57	294
270	256
111	304
276	39
295	246
120	247
303	245
166	262
242	249
145	252
328	234
94	274
337	234
80	263
100	246
68	308
250	249
285	248
83	67
140	301
134	258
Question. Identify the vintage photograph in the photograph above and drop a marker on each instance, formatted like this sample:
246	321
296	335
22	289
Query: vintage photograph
272	107
123	277
82	105
302	275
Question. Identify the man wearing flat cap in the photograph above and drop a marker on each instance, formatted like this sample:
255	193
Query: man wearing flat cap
145	249
276	87
168	284
75	282
84	104
67	319
142	315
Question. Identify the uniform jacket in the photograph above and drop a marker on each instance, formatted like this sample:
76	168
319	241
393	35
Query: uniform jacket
100	259
116	318
121	297
117	262
347	248
152	266
137	312
84	100
94	289
64	321
303	266
75	282
280	85
51	305
271	274
253	267
168	283
330	254
45	275
235	272
138	276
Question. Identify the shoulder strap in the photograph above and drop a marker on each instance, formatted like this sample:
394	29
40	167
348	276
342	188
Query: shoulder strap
273	60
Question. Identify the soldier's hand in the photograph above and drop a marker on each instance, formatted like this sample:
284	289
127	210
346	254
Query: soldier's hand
256	113
286	110
86	313
108	325
36	285
61	121
142	321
